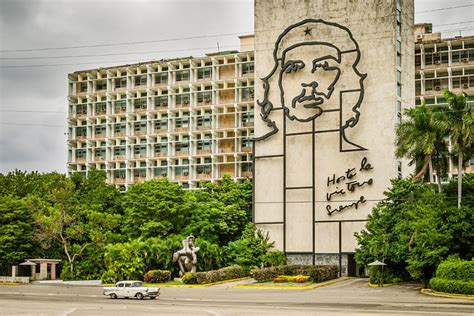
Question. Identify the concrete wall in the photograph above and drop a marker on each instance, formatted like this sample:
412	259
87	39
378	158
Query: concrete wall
309	165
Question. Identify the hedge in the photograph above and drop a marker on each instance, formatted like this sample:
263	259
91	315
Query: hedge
456	270
454	276
452	286
315	273
157	276
228	273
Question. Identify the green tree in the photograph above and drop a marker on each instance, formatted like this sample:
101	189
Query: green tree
16	230
155	208
414	229
250	249
421	136
458	120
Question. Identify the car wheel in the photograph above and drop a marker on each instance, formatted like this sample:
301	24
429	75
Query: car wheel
139	296
152	297
113	296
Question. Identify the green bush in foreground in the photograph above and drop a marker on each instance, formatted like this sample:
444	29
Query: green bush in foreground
228	273
456	270
452	286
315	273
454	276
157	276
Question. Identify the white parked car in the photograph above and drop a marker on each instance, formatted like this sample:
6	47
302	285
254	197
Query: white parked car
128	289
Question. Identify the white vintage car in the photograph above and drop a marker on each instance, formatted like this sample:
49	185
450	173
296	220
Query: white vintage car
128	289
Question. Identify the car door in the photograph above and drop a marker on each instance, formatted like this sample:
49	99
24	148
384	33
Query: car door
120	289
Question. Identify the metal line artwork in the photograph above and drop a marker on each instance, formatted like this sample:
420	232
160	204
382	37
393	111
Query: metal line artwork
305	82
351	184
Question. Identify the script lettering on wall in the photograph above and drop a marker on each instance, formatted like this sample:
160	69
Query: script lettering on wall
347	185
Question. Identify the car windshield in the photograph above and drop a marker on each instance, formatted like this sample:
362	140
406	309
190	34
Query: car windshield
137	284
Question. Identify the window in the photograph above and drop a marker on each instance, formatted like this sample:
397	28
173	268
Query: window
182	122
204	121
82	109
182	99
182	75
182	170
140	80
204	97
203	169
204	73
247	93
182	147
100	108
139	104
161	101
83	87
161	78
139	127
247	68
100	153
80	153
204	145
161	124
81	131
120	106
119	174
161	148
119	151
119	128
247	117
101	85
121	82
247	167
100	130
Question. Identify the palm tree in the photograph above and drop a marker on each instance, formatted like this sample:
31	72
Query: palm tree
458	120
420	138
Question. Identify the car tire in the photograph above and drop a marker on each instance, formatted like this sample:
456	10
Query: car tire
113	296
139	296
152	297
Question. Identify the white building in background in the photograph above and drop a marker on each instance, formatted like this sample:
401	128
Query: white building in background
187	119
443	63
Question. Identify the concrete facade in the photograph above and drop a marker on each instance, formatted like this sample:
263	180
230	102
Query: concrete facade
187	119
335	78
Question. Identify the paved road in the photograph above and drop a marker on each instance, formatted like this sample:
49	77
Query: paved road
351	297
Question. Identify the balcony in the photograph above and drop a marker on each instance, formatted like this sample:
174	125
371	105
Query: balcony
119	157
119	134
246	149
184	176
182	153
161	154
119	180
204	152
139	133
247	174
204	176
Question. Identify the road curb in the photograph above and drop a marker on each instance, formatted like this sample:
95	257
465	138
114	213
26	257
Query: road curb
447	295
291	287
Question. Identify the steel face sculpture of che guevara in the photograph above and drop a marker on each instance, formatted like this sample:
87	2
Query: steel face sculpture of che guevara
310	59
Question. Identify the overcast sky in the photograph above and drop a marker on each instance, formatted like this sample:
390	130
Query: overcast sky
33	100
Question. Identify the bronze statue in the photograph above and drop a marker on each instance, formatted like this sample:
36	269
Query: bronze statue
186	257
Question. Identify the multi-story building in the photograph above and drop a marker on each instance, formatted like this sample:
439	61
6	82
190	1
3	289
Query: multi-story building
442	64
191	119
187	119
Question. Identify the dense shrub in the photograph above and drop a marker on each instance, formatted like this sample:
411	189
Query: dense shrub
189	278
315	273
456	270
228	273
157	276
389	275
452	286
454	276
280	279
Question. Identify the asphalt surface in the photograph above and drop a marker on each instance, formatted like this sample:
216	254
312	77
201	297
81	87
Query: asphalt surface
352	297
